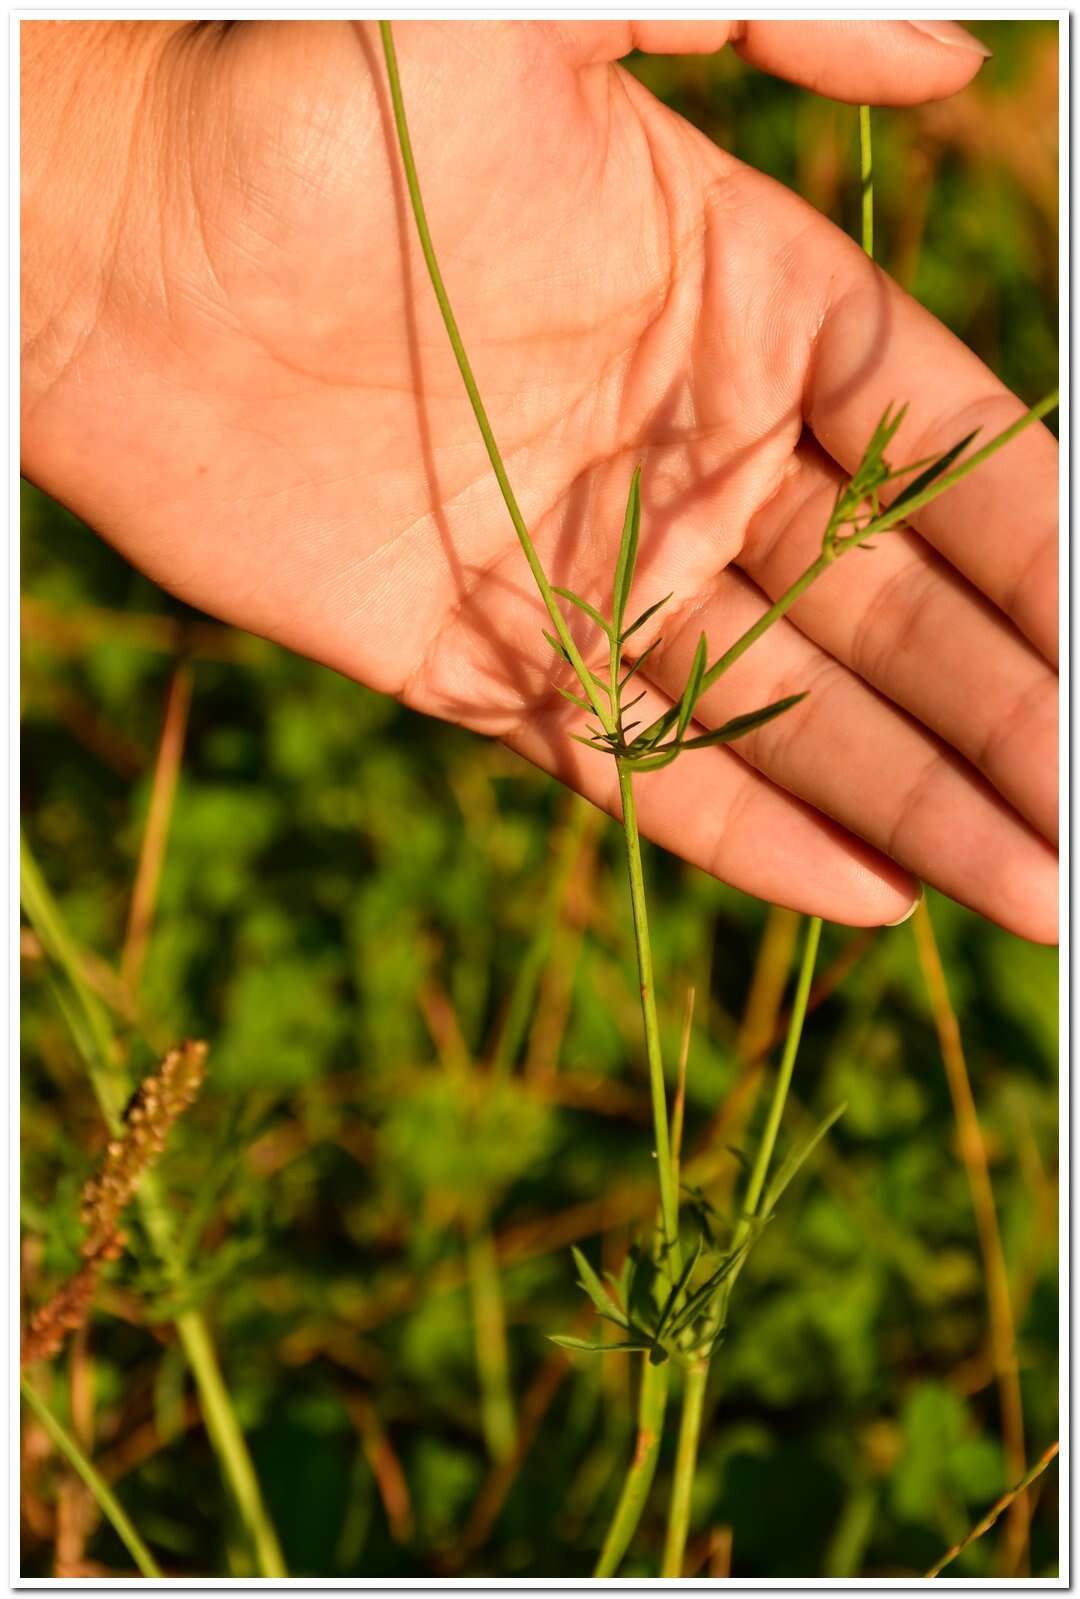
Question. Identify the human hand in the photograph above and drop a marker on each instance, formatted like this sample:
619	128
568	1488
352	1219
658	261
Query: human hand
235	370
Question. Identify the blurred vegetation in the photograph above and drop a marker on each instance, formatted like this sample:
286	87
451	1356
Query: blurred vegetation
349	898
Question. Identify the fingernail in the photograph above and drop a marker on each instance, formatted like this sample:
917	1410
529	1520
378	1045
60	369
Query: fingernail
909	913
952	34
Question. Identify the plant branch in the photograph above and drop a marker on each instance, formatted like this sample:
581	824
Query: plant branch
652	1402
669	1199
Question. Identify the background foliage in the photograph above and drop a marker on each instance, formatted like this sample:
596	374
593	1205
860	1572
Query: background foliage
349	896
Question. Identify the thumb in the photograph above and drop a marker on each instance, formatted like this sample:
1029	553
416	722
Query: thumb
875	63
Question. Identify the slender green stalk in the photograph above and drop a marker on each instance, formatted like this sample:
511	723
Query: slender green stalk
492	1359
652	1402
669	1198
112	1091
697	1377
229	1442
697	1373
106	1500
596	695
987	1521
866	169
95	1032
763	1159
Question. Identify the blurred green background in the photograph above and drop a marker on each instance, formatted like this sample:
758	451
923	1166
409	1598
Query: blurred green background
349	899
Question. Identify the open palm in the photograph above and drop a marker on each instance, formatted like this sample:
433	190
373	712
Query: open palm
250	392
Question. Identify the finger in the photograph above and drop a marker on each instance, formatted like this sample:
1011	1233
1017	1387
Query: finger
860	761
877	347
919	633
719	814
876	63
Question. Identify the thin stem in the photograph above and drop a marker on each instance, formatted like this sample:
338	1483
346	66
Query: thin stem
596	696
106	1500
697	1377
995	1511
156	830
91	1024
756	1185
95	1033
669	1199
489	1330
652	1402
229	1442
866	169
981	1189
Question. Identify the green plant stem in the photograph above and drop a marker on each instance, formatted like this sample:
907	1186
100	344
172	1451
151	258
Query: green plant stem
669	1198
229	1442
697	1374
652	1402
106	1500
95	1032
489	1330
756	1185
697	1377
597	697
112	1090
866	172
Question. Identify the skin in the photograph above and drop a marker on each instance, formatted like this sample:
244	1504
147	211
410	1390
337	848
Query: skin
234	370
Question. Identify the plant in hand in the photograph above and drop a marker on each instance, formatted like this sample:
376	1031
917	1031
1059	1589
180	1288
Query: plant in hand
668	1307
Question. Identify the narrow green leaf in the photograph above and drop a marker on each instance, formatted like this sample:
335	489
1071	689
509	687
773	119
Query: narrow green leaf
629	706
643	618
591	743
739	726
701	1297
564	1341
676	1289
592	1285
924	480
628	550
654	763
556	646
583	605
652	735
693	687
798	1156
639	663
575	699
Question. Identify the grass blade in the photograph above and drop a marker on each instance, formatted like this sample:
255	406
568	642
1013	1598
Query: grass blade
106	1500
594	1287
693	687
628	551
739	726
583	605
643	618
797	1158
564	1341
942	464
